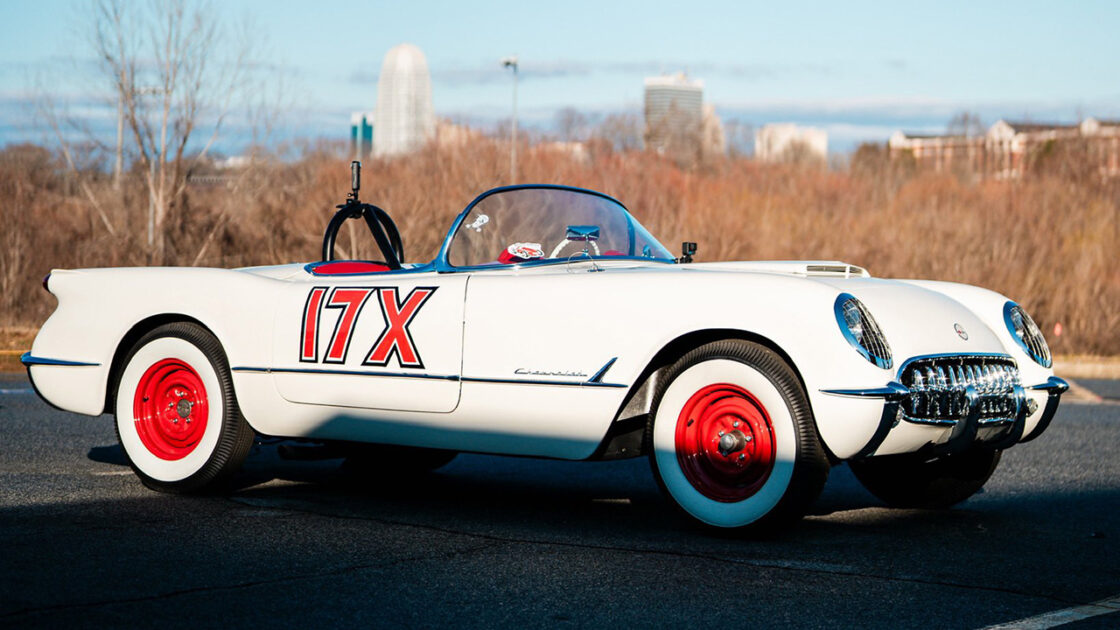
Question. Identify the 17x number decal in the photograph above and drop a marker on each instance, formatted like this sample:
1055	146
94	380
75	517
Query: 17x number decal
395	339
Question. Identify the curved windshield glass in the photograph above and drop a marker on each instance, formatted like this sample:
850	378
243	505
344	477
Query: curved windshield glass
537	224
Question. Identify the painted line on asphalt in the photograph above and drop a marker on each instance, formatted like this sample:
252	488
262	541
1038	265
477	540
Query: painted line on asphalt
1079	392
1062	617
16	392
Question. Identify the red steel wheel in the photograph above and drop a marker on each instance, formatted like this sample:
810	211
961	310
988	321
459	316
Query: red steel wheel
725	442
170	409
177	416
731	438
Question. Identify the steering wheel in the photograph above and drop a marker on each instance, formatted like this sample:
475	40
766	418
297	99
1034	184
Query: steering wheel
380	225
567	241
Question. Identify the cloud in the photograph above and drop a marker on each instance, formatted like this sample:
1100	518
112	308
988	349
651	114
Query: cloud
533	70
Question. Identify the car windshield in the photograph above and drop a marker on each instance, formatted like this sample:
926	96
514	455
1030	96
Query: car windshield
518	225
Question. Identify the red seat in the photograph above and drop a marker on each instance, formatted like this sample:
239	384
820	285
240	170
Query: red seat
344	267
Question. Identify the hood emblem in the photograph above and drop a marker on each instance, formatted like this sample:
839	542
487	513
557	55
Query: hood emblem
960	331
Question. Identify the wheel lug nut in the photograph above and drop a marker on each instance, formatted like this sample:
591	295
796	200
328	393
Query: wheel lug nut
748	438
721	433
742	456
735	424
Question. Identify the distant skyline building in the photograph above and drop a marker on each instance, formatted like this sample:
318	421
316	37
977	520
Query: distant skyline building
403	119
673	111
361	135
1010	148
780	142
712	137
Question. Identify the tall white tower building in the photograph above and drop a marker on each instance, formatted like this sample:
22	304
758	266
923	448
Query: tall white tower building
403	119
674	111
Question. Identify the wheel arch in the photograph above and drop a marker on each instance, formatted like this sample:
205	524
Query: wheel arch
624	436
138	330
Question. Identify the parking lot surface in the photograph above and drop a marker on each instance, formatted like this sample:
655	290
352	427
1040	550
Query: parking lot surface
491	541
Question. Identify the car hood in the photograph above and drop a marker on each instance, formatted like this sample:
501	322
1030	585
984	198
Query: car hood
916	320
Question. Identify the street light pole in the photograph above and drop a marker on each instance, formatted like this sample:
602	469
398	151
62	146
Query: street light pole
511	62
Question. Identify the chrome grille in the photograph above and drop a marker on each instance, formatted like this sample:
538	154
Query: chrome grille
939	388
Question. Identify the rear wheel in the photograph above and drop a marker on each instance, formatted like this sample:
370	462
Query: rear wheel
732	439
176	414
914	481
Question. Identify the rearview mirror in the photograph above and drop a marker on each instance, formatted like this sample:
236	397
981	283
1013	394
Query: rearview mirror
583	233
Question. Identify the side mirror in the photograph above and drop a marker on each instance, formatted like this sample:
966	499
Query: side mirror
687	250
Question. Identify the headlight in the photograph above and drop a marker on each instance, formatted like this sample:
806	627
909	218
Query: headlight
861	330
1027	334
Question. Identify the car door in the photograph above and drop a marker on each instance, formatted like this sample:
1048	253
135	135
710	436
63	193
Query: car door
389	341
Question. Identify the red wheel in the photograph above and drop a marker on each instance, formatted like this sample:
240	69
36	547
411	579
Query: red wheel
725	442
177	416
170	409
732	440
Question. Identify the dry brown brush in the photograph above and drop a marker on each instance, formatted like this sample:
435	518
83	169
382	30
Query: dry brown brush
1048	240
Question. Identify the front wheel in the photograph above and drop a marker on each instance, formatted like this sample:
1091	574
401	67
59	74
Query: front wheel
176	414
732	439
917	481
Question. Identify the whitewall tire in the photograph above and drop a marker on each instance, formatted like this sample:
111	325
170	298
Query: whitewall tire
176	414
732	439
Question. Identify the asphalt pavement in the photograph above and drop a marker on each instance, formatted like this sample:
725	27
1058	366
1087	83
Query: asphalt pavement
496	541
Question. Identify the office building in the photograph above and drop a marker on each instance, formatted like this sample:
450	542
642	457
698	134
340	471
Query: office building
403	119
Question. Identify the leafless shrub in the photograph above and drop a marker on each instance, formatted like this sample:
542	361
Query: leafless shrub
1048	241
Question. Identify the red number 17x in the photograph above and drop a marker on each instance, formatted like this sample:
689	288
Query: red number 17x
394	339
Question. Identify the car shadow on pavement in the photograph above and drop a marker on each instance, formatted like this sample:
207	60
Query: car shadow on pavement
564	500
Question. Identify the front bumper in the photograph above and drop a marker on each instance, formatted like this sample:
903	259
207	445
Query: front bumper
1027	412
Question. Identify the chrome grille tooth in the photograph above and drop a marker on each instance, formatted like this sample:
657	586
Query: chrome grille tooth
939	388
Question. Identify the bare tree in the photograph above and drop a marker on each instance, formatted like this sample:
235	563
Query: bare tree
966	124
160	59
740	137
801	153
622	131
570	124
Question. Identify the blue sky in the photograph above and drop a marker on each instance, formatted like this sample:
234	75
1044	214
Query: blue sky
860	69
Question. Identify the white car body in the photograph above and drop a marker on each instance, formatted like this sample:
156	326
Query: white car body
523	359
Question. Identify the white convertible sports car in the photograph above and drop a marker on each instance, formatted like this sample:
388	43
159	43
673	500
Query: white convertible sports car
552	324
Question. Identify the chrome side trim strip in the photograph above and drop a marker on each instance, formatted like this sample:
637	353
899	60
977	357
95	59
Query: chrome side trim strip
521	381
264	370
28	359
598	376
441	377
